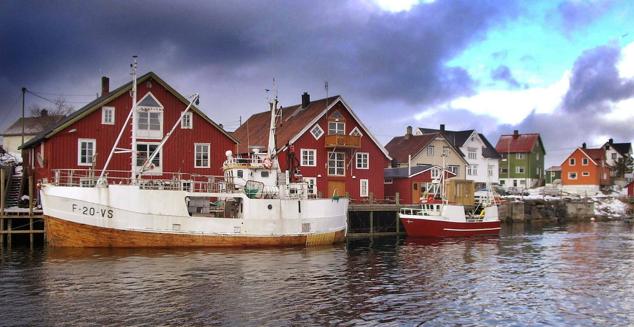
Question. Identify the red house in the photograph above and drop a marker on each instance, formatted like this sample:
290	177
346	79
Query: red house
85	138
326	142
630	190
411	183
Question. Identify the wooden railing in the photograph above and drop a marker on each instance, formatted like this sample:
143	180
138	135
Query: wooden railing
343	141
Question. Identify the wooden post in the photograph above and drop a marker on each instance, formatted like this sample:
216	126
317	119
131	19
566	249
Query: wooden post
9	232
397	199
371	195
371	223
1	231
2	191
398	224
30	196
31	232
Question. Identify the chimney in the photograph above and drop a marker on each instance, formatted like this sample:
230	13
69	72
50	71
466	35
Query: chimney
408	132
305	99
105	86
516	134
442	127
583	146
43	113
611	141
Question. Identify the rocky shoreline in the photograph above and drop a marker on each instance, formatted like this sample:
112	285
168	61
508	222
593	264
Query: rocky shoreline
565	210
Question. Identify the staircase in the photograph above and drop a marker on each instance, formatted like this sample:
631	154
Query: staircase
13	191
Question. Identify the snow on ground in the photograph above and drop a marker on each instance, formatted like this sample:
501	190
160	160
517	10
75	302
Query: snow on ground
610	207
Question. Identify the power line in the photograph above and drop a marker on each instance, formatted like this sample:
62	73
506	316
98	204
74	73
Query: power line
52	101
63	94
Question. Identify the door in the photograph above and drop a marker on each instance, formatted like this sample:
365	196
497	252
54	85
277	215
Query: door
415	192
336	188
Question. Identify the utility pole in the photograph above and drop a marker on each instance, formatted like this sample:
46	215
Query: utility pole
23	93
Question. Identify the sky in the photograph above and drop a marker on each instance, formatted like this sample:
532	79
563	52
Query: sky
561	68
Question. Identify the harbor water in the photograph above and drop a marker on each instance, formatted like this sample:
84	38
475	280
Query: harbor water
576	274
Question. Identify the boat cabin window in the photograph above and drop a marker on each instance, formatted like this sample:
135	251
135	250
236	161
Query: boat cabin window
264	174
240	174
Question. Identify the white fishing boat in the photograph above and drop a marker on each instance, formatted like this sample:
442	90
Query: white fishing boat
253	204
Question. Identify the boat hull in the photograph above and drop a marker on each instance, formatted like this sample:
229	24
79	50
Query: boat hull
426	227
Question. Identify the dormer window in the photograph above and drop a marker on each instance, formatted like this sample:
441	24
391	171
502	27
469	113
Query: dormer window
336	124
149	117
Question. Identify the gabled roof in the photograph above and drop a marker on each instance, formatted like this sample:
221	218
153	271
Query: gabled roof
622	148
519	143
102	100
401	147
294	122
596	156
554	168
458	139
32	125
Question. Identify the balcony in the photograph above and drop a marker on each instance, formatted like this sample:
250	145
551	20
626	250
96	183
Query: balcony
343	141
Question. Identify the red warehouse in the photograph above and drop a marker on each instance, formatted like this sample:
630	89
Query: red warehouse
85	138
326	142
412	183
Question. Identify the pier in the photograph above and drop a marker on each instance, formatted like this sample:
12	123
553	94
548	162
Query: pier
19	224
375	218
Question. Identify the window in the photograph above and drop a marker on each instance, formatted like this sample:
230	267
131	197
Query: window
312	184
264	174
552	174
523	182
201	155
537	172
309	157
490	170
363	188
336	164
519	156
336	128
504	170
537	156
240	174
149	117
585	173
502	182
572	175
572	161
614	156
473	153
186	121
519	169
584	161
363	160
356	132
453	169
107	115
144	151
388	181
430	150
435	172
472	170
445	150
317	132
86	151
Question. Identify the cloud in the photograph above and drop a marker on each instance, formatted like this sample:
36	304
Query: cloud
576	14
596	82
503	73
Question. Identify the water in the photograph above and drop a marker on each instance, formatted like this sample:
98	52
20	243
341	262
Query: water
581	274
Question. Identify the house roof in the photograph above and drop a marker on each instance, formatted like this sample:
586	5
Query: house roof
104	99
401	147
404	172
32	125
488	151
622	148
294	122
458	139
597	155
518	143
554	168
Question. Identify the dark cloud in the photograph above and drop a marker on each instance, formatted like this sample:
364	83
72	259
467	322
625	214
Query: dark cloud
230	51
503	73
575	14
595	81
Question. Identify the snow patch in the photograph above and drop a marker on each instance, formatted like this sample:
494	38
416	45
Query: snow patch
610	207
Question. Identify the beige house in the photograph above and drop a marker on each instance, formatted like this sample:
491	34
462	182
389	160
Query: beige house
12	136
426	149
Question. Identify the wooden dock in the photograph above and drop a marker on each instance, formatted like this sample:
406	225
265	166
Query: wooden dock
19	224
375	218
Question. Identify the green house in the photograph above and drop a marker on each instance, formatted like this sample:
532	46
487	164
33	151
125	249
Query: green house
552	174
522	162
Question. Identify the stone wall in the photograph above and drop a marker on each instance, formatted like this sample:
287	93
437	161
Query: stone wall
553	211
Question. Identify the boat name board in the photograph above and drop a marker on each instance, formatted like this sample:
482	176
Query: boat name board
92	211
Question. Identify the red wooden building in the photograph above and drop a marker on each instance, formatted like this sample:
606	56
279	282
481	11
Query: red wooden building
326	141
630	189
411	183
84	138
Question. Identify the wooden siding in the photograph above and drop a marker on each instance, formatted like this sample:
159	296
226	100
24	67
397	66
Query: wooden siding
595	171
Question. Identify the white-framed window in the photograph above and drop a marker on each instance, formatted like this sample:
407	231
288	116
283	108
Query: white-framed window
107	115
336	164
537	156
519	169
388	181
585	161
309	157
187	121
473	154
519	156
356	132
336	128
364	188
490	169
149	117
363	160
572	162
312	184
86	149
445	150
144	151
585	173
572	175
472	170
537	171
317	132
522	182
430	150
453	168
201	155
435	172
552	174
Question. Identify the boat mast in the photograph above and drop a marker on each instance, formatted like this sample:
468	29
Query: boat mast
133	156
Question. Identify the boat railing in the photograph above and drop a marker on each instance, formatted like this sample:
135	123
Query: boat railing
165	181
255	160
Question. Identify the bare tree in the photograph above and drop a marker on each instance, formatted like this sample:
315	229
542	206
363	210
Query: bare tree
59	107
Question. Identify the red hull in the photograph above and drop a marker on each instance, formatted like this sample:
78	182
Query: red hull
417	227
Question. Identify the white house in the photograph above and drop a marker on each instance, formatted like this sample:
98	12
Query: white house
482	157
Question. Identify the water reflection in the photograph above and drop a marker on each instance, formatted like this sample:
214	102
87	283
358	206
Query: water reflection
557	275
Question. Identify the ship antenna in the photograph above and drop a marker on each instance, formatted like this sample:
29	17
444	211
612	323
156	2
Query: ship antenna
133	157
